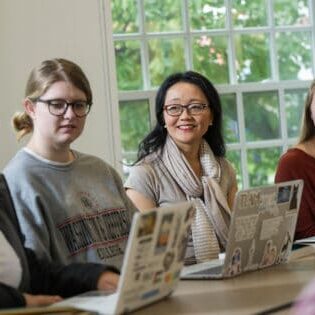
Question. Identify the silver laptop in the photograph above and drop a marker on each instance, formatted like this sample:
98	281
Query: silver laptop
152	263
261	232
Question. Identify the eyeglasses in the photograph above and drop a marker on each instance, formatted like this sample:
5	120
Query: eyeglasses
192	109
60	107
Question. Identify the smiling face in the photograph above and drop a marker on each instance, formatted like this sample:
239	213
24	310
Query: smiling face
51	131
187	130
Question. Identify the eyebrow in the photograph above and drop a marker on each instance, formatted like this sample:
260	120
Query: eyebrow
192	100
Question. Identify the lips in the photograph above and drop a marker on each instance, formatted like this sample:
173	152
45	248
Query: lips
186	127
68	127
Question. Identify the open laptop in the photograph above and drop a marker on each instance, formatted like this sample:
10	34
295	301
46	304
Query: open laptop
261	232
152	263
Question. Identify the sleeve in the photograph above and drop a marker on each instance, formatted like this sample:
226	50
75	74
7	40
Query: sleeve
230	174
10	297
127	202
51	278
142	179
30	212
286	169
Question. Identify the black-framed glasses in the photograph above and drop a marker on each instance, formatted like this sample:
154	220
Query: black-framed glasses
192	109
59	107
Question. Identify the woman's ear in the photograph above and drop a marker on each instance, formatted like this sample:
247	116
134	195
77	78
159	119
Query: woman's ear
29	107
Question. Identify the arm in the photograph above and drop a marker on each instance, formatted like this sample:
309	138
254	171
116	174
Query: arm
231	196
140	201
232	186
10	297
55	279
141	186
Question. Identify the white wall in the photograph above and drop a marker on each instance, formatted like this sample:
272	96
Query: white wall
35	30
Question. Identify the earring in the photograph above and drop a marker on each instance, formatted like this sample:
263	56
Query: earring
211	123
165	126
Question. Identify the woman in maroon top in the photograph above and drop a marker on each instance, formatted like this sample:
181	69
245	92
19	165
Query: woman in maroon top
299	163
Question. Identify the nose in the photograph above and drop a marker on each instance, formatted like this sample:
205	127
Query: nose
185	113
69	112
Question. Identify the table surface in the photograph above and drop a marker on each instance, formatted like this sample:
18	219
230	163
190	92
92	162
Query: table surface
248	293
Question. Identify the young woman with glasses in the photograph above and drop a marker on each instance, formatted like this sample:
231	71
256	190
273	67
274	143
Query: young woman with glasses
72	207
183	158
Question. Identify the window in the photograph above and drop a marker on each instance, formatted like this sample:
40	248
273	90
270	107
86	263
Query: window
258	53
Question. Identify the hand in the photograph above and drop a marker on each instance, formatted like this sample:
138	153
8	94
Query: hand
108	281
40	300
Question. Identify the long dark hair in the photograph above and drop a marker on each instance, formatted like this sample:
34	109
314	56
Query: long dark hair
157	137
308	128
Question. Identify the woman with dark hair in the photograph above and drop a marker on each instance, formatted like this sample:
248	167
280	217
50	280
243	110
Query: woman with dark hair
299	163
183	158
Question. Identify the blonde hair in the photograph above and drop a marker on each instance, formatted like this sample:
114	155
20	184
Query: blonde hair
308	127
41	79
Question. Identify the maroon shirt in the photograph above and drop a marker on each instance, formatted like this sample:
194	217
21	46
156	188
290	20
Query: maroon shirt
296	164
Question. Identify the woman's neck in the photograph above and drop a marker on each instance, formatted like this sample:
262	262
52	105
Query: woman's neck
193	158
62	155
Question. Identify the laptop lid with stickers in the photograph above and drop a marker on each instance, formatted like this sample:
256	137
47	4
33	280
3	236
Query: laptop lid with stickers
152	263
261	231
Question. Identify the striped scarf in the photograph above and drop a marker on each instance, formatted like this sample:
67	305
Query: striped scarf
210	225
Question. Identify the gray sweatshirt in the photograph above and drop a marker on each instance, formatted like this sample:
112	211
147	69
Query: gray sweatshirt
77	212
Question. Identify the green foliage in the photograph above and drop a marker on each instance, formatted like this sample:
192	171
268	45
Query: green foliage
294	104
165	57
125	16
162	16
230	121
252	57
249	13
128	65
294	55
262	165
207	15
134	123
261	111
288	12
210	57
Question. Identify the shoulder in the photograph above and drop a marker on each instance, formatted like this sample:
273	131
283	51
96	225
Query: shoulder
93	161
97	165
290	157
226	166
288	168
149	165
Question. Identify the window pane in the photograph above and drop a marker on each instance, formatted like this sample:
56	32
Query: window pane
288	12
206	14
295	55
261	110
235	158
252	57
125	16
128	65
230	122
210	57
165	57
163	16
249	13
134	125
262	164
294	104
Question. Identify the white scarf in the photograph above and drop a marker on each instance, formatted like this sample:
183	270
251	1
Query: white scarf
209	226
